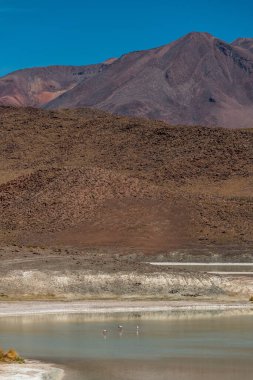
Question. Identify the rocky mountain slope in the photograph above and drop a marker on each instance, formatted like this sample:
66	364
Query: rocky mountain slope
196	80
245	43
87	178
37	86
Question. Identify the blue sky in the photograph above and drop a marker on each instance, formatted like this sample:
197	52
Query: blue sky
47	32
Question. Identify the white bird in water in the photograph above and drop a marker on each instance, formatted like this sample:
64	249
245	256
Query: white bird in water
105	333
137	330
120	328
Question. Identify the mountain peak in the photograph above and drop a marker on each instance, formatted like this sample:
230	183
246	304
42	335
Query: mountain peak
199	34
190	81
195	39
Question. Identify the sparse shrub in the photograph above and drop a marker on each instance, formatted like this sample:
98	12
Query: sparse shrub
11	356
251	299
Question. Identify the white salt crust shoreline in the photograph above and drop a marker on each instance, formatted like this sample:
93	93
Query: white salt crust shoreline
26	308
31	370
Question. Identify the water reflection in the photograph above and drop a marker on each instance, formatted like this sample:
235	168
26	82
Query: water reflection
129	316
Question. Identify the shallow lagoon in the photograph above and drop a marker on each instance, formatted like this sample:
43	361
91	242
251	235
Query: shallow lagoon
177	346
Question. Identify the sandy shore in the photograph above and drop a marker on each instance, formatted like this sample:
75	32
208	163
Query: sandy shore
108	306
30	370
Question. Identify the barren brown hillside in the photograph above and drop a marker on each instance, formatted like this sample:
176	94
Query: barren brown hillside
87	178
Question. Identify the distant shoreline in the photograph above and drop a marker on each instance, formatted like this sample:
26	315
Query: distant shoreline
29	308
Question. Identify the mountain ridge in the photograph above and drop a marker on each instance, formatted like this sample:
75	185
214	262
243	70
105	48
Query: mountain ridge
36	86
195	80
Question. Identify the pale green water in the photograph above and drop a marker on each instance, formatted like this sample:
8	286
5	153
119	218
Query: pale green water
174	346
